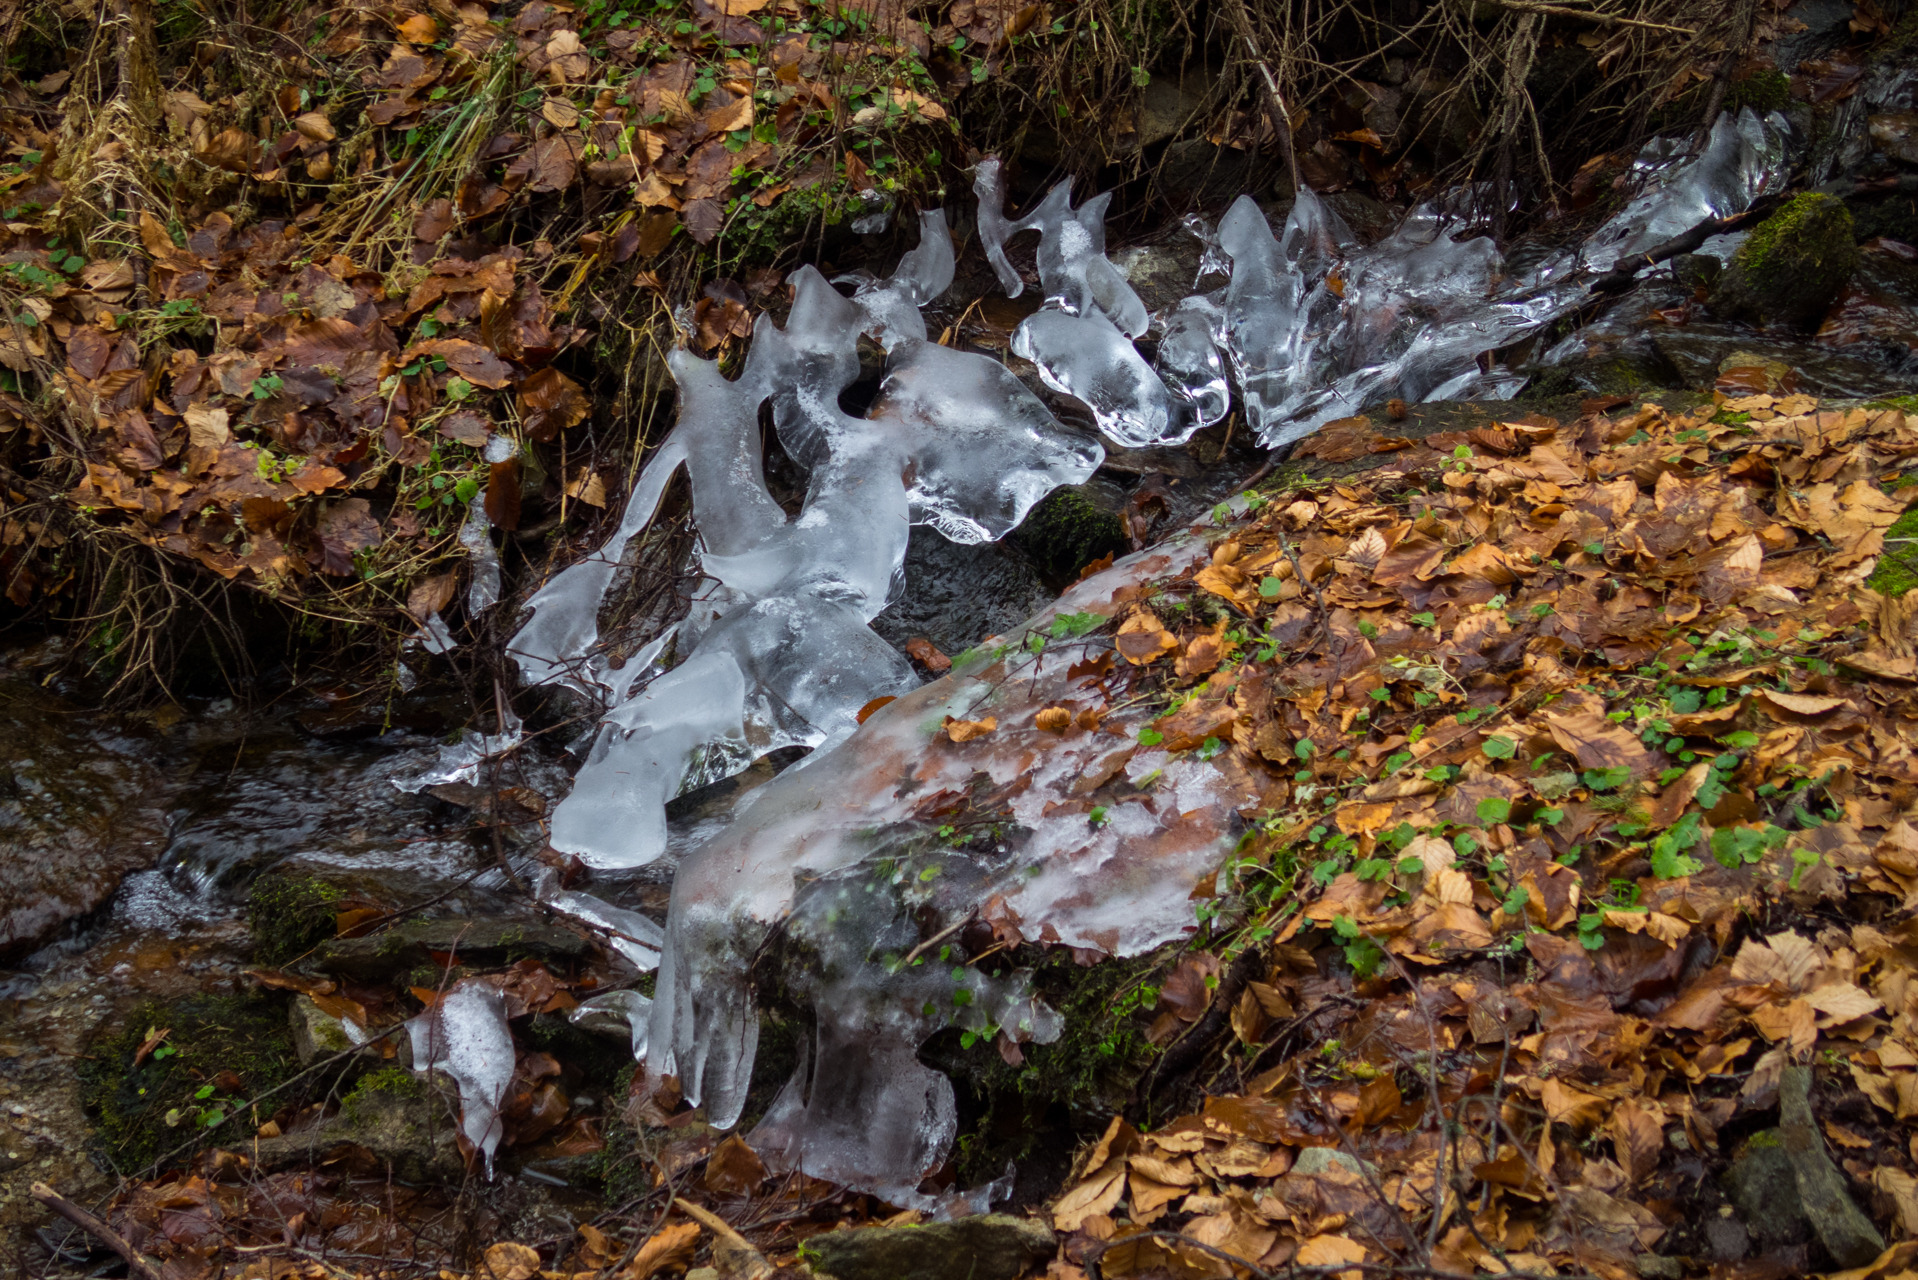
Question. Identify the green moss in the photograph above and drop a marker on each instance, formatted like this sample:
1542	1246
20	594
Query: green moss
1038	1109
395	1080
289	916
1068	531
1897	570
1768	90
142	1113
1793	264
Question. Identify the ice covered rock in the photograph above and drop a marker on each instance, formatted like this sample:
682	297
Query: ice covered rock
839	855
466	1037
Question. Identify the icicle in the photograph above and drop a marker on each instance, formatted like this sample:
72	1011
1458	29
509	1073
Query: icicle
627	932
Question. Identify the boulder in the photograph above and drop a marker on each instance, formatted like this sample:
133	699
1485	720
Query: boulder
1792	267
993	1246
82	805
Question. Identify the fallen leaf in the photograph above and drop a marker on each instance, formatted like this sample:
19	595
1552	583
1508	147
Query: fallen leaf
967	730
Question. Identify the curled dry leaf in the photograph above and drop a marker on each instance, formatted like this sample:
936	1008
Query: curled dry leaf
1053	719
967	730
670	1248
1143	639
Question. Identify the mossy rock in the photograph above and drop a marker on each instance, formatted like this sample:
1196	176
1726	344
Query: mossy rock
395	955
1034	1113
1792	267
1897	570
406	1124
219	1052
1068	531
290	915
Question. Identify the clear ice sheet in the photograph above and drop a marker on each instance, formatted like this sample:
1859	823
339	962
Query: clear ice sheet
1311	325
466	1037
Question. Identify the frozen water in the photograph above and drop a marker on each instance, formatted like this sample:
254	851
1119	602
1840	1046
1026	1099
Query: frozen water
466	1036
627	932
1314	326
463	760
837	856
781	654
476	535
833	854
625	1012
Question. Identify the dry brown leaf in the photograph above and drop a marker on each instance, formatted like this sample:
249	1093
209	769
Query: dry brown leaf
927	655
967	730
419	29
509	1261
669	1248
206	426
1096	1194
1053	719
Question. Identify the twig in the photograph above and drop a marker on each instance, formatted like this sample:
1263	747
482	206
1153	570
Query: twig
137	1263
1274	100
1589	15
1620	277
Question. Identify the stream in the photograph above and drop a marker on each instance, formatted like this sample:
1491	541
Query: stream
131	838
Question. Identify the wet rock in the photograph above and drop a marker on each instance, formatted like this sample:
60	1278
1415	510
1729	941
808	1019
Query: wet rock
1068	531
81	807
316	1033
1163	273
1847	1234
406	1125
990	1247
958	595
1762	1187
1653	1267
1369	219
1193	168
1791	269
481	943
1697	271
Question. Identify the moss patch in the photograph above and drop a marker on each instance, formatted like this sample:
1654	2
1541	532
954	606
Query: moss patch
219	1052
1897	570
1068	531
289	916
1768	90
1792	266
1035	1113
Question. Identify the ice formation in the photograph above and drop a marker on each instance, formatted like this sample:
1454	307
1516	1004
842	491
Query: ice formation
1314	326
781	653
839	857
465	1035
833	855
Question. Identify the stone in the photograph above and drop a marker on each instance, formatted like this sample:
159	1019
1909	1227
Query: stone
993	1246
1653	1267
82	806
410	945
1697	272
1323	1159
1840	1225
1765	1193
1728	1239
1792	267
408	1125
1069	530
316	1033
